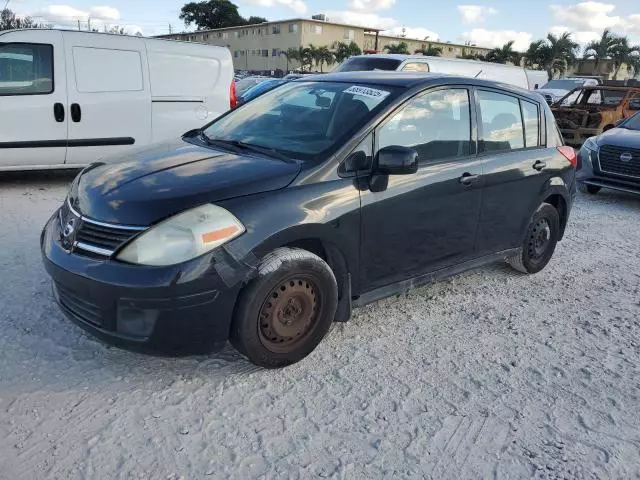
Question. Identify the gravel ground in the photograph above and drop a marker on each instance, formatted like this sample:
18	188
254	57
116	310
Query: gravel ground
488	374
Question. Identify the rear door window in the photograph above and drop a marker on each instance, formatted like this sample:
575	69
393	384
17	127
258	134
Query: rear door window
416	67
502	129
26	69
531	124
364	64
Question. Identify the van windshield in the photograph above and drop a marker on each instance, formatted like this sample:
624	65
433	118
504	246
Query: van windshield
304	120
564	84
363	64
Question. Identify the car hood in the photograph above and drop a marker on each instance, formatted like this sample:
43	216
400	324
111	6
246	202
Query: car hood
154	183
620	137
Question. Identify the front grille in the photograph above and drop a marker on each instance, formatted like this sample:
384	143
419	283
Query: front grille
79	307
611	163
107	238
92	238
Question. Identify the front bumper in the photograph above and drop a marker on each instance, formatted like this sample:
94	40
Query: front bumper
589	173
181	309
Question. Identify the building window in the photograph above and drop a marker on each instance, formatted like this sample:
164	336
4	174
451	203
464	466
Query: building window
276	30
206	37
275	52
317	29
235	53
265	53
225	35
349	34
451	49
236	34
293	28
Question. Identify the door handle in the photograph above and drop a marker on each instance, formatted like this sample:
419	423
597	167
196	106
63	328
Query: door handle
58	112
76	113
467	178
539	165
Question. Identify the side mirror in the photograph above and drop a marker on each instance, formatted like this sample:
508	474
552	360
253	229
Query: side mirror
396	160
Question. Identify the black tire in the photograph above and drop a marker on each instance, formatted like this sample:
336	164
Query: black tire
540	241
590	189
284	313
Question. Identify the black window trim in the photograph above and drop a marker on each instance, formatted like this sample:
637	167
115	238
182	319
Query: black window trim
524	125
479	119
53	72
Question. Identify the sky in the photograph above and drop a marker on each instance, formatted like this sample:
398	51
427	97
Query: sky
486	23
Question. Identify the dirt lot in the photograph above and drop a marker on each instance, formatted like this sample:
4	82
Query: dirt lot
489	374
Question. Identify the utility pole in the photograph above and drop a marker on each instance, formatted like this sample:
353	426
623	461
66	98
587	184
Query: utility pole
89	24
78	24
170	29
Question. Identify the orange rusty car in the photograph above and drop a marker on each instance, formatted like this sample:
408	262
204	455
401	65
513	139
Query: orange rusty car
588	111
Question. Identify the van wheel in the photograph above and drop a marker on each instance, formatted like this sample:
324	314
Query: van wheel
540	242
590	189
284	313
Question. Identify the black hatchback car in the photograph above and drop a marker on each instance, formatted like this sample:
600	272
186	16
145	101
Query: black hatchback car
327	193
612	159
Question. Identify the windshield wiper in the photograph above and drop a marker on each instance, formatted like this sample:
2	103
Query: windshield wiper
237	145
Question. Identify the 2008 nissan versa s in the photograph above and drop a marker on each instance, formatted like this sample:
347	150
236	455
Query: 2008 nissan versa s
326	193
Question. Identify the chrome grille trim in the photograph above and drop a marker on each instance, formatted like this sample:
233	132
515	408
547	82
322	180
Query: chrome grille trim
93	249
103	224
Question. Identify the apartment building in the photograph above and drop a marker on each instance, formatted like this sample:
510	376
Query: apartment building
260	46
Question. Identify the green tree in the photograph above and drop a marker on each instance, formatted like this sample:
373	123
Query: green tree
399	48
211	14
602	49
311	54
623	53
504	54
342	51
9	21
292	54
324	56
430	51
555	54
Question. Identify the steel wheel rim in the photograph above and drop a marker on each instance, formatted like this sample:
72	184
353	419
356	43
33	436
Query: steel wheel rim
539	239
288	314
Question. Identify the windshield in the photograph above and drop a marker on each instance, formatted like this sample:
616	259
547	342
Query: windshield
363	64
632	123
304	120
565	84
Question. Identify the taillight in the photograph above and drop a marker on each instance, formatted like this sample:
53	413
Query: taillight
570	154
233	98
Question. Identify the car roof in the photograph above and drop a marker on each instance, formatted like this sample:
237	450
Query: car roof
415	79
606	87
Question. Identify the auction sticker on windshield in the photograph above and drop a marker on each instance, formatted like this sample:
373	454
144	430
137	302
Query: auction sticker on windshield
367	92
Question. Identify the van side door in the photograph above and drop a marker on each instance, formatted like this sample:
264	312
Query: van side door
33	98
109	99
516	164
418	223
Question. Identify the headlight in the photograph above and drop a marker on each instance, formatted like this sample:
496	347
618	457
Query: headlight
183	237
591	144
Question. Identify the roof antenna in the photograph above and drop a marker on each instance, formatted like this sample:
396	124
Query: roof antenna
476	75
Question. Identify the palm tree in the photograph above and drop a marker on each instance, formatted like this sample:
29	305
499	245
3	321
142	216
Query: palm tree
311	55
504	54
430	51
602	49
342	51
554	54
324	55
622	54
304	56
400	48
633	65
292	54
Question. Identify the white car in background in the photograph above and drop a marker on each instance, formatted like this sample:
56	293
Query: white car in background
69	98
554	90
509	74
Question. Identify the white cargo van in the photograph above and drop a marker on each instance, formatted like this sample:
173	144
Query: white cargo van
70	98
509	74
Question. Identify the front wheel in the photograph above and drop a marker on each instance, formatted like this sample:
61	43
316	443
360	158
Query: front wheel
540	242
283	314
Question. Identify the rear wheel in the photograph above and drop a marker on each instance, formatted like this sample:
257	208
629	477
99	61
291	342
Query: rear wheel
285	312
590	189
540	241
